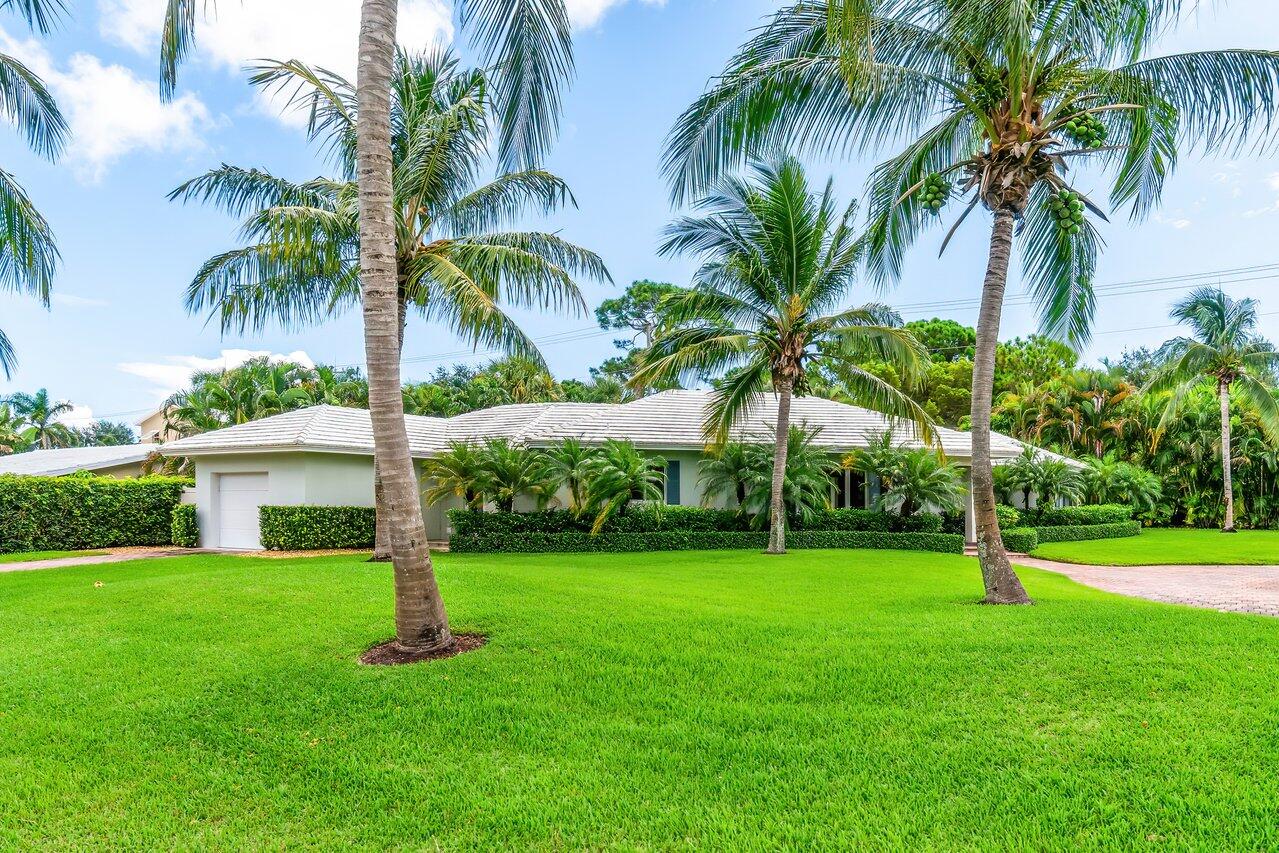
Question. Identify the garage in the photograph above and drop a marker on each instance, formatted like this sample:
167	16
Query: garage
239	496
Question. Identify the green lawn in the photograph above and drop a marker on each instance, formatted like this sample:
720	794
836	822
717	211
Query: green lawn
710	700
24	556
1159	546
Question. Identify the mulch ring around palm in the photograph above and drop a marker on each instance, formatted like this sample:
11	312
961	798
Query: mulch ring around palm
391	653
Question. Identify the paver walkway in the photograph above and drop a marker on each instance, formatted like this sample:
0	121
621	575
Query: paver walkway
1241	589
122	557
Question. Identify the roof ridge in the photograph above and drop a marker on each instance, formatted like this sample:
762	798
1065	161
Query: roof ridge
315	412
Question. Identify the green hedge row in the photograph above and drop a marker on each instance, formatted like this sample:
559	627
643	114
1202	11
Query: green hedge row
80	512
1081	532
315	528
1022	540
1075	516
186	528
945	543
683	519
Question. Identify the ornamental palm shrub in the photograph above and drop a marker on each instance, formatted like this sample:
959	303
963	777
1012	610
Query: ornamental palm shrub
911	479
510	471
569	461
728	471
1109	481
460	471
1223	353
779	259
990	102
1045	478
618	475
806	486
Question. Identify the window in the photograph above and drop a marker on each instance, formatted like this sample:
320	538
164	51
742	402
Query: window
672	483
856	490
841	489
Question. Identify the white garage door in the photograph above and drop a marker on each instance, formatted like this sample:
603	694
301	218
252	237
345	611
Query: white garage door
239	496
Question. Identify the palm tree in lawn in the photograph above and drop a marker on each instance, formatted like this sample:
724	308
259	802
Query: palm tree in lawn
530	42
40	415
778	261
1223	353
28	254
452	264
1000	97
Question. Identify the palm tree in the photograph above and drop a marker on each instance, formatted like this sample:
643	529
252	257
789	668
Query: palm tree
570	460
1003	96
513	471
300	264
28	254
1044	477
1224	353
729	471
13	437
805	487
778	262
1111	481
911	478
40	416
460	471
618	475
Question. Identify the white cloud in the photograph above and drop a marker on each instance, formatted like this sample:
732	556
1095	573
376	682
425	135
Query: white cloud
322	33
110	109
587	13
1174	221
174	372
71	300
79	416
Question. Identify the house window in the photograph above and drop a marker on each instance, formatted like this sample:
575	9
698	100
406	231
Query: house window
856	490
672	483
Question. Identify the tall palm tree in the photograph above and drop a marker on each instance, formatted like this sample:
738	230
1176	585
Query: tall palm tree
1003	96
40	415
778	262
28	253
13	433
1224	353
300	264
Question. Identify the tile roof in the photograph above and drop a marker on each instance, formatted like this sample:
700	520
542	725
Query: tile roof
667	420
68	460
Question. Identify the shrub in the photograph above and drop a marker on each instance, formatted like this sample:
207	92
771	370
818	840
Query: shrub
1080	532
81	512
1008	516
314	528
672	540
1083	515
1022	540
185	526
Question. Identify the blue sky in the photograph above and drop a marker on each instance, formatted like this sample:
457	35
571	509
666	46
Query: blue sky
117	339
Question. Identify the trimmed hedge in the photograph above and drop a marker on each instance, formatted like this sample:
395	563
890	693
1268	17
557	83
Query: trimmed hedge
1081	532
1008	516
186	529
316	528
1075	516
81	512
1023	540
679	519
672	540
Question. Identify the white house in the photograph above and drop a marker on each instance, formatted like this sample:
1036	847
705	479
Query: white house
324	455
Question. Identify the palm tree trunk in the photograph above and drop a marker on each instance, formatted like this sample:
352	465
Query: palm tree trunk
1223	394
421	623
382	528
1002	584
777	530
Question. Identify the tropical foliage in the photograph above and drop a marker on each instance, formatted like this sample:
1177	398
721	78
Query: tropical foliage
778	260
911	479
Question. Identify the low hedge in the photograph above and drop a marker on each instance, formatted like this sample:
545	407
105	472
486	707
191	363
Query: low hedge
314	528
680	519
186	529
673	540
1022	540
81	512
1081	532
1075	516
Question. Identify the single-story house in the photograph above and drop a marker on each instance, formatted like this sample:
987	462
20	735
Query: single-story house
123	460
323	455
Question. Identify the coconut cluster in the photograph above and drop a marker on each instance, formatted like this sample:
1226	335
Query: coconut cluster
1068	209
933	192
1086	130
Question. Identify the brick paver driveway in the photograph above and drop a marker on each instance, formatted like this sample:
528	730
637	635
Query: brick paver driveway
1242	589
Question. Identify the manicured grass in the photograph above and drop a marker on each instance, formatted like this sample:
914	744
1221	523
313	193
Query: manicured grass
1162	546
25	556
720	700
